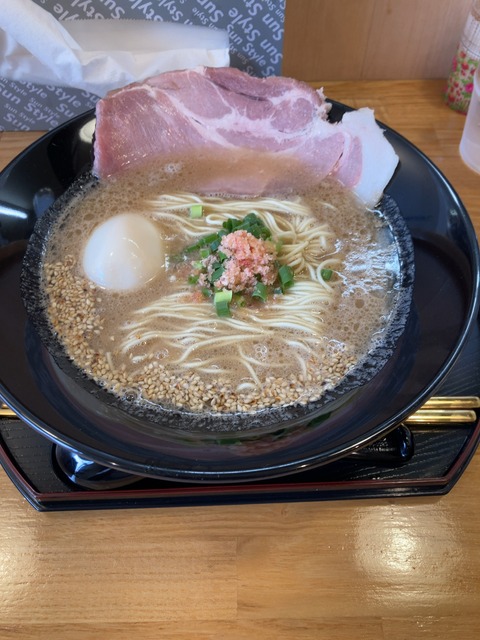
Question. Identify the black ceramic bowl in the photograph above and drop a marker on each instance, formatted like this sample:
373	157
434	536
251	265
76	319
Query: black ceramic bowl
63	405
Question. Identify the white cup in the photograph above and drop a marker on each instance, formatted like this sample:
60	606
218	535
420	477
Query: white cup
470	142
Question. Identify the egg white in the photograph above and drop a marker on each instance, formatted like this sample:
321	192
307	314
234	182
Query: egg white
123	253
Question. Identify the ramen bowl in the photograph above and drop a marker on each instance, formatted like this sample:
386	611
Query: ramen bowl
437	269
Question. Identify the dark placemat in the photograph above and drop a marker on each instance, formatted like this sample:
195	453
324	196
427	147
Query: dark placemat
441	454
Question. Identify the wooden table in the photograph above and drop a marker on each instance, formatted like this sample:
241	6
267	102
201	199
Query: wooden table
388	568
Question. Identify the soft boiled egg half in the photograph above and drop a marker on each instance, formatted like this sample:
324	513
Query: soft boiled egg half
124	252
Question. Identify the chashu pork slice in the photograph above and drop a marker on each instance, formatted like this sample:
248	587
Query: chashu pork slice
278	127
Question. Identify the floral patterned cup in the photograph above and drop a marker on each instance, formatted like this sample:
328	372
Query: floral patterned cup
459	88
460	81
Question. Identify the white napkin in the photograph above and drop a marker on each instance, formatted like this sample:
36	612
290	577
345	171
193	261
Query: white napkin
99	55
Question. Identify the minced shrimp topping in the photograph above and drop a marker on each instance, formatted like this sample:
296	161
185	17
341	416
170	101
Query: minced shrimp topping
239	265
248	261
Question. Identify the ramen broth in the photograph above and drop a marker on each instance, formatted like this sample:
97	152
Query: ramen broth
163	344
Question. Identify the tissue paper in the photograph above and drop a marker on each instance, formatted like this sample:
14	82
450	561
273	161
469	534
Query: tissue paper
99	55
255	31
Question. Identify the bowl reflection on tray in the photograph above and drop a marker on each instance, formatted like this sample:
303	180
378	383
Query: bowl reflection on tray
446	263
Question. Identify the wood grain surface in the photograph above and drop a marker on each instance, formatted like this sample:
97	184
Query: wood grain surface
392	569
372	39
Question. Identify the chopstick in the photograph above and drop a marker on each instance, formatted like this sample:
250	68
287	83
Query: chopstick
452	402
446	410
436	410
5	412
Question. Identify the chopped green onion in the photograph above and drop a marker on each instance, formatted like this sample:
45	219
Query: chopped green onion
260	291
206	240
223	309
259	230
222	300
218	272
285	273
196	211
193	279
215	244
207	292
224	294
251	223
240	300
193	247
256	230
205	252
326	274
252	217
